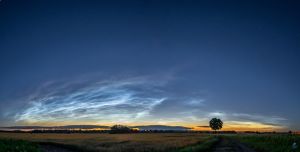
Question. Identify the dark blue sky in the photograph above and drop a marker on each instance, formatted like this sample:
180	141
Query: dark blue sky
145	62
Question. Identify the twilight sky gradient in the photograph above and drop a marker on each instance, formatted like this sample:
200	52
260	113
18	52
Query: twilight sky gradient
150	62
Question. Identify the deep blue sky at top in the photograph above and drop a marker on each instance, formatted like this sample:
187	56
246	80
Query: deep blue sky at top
245	55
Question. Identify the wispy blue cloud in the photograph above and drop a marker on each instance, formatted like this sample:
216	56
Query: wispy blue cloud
104	101
133	100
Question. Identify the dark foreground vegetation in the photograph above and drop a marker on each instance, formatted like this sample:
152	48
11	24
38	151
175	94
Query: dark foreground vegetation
204	146
270	142
9	145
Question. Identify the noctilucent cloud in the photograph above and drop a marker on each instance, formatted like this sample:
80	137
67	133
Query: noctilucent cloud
150	62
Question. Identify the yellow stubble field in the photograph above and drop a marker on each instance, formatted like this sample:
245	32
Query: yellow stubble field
115	142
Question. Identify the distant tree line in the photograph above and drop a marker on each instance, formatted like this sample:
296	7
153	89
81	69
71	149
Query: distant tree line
69	131
119	129
215	124
141	131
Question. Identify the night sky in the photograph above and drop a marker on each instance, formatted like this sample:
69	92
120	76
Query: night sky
150	62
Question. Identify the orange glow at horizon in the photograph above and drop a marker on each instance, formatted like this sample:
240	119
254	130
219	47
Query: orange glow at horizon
246	126
228	126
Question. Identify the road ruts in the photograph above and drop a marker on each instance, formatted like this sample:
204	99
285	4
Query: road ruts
229	145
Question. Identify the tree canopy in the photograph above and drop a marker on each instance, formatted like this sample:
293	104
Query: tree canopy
120	129
215	124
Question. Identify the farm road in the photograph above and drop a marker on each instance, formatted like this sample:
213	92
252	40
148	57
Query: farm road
230	145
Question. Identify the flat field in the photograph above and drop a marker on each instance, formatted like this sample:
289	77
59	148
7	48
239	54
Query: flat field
149	142
116	142
270	142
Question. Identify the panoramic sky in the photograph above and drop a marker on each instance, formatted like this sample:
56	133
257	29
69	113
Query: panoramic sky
152	62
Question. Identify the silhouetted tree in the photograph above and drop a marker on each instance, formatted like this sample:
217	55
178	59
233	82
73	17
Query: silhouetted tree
215	124
116	129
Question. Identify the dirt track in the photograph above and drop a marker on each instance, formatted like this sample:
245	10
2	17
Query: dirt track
229	145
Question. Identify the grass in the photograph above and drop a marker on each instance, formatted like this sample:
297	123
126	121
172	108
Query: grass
271	142
204	146
8	145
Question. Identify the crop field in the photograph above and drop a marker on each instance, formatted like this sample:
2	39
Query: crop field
147	142
270	143
116	142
